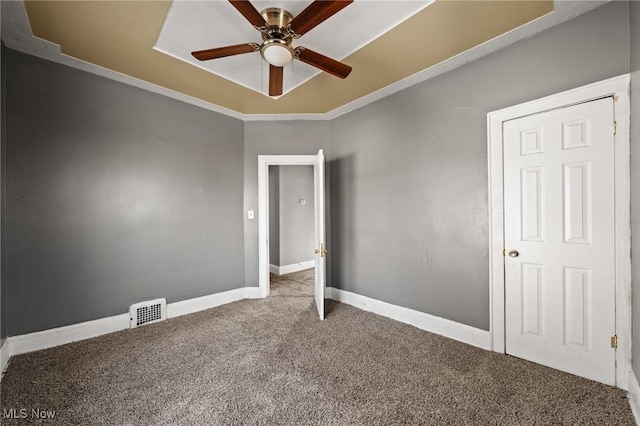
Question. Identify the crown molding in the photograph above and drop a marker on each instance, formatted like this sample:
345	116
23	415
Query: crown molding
17	35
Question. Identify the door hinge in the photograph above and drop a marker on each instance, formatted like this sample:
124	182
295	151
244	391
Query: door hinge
322	250
614	342
614	127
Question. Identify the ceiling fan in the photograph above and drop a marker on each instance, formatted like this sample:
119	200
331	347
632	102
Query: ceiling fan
279	28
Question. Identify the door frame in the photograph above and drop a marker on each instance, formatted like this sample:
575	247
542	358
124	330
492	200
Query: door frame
264	161
618	87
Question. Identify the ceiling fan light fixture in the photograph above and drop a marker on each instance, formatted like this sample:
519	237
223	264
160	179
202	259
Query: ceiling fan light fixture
277	52
279	29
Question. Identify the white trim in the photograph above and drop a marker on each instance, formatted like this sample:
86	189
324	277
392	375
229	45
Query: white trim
294	267
617	86
4	357
252	292
70	333
289	117
444	327
634	395
62	335
198	304
17	35
622	115
264	161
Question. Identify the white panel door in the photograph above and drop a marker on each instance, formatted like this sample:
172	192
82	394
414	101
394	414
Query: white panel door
320	251
559	239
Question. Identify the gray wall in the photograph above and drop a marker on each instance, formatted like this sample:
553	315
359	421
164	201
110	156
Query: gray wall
634	20
409	172
274	215
296	220
276	138
114	195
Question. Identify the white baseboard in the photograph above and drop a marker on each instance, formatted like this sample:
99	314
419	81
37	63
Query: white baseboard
634	395
62	335
198	304
4	357
252	293
67	334
294	267
444	327
59	336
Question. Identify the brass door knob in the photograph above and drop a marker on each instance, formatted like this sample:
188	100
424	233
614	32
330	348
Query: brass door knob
514	253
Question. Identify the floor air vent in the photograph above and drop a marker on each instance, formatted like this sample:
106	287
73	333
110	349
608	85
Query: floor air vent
147	312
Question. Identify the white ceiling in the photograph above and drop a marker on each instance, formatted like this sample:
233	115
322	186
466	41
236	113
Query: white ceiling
198	25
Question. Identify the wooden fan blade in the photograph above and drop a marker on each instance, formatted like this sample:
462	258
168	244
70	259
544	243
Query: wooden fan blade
322	62
316	13
221	52
249	12
275	80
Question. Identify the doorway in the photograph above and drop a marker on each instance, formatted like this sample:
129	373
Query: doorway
291	228
320	250
559	239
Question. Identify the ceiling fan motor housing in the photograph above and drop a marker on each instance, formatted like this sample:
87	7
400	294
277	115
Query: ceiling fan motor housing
276	48
277	17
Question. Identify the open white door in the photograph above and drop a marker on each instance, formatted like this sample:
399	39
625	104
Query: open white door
317	161
320	251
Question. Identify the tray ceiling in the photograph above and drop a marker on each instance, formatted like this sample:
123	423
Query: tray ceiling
392	45
194	25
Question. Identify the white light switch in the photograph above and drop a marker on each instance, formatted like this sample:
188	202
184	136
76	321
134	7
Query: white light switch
250	214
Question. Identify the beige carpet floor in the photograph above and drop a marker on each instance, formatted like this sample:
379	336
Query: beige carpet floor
272	362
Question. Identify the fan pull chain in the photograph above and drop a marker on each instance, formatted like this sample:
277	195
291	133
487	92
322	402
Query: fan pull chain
261	75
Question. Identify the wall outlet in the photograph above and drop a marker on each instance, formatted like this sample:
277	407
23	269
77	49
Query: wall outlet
250	214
